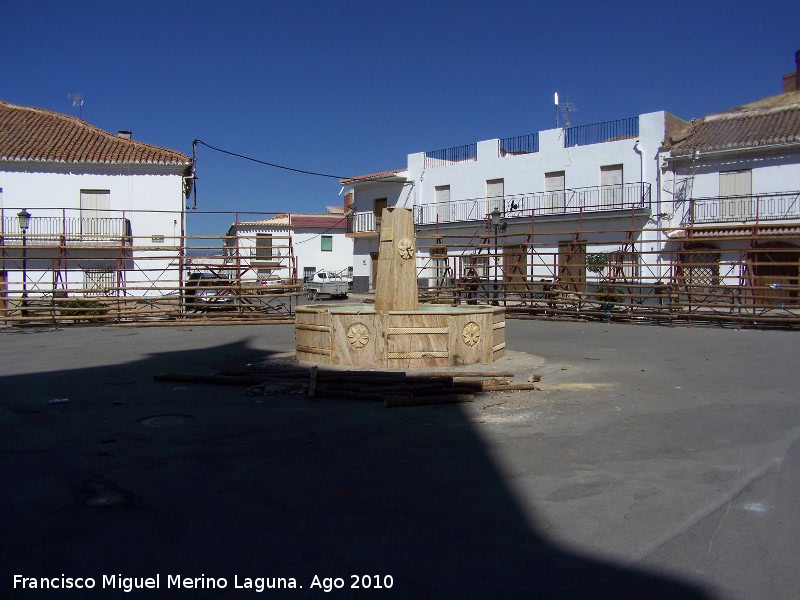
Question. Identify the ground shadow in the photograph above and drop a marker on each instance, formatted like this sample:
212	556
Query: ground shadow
238	487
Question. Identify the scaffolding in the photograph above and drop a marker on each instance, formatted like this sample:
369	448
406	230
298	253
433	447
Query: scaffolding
71	270
743	276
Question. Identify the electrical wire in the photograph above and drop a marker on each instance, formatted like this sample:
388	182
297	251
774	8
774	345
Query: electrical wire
285	168
268	164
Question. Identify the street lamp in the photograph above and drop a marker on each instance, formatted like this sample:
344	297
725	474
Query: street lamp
24	222
498	224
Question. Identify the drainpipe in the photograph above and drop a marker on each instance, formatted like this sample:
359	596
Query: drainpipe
638	149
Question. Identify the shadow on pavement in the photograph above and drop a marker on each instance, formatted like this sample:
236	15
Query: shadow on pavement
234	486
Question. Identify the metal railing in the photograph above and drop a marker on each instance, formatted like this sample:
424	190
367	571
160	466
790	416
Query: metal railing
55	230
361	222
521	144
449	156
598	198
743	209
598	133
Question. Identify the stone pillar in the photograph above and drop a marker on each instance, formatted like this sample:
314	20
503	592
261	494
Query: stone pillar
396	287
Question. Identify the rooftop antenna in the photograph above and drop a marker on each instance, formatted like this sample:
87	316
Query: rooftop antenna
566	108
77	100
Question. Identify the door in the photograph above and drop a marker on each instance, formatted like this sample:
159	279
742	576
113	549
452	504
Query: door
611	186
776	273
442	203
95	208
515	268
554	192
735	195
572	266
495	190
374	259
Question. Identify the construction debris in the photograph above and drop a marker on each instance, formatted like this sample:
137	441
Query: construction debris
393	388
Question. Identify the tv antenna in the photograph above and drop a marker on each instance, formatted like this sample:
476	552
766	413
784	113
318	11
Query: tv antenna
564	108
77	100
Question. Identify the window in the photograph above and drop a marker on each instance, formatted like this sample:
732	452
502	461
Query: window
698	266
263	246
495	190
327	243
611	186
735	190
95	211
476	265
624	266
442	199
554	191
308	273
440	267
98	282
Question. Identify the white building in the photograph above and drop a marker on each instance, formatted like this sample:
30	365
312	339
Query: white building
732	191
290	246
106	211
685	216
570	185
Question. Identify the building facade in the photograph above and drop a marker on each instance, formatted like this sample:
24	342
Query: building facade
733	196
569	187
102	206
290	247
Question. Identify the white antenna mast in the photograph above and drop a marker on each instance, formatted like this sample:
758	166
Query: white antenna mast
77	100
556	103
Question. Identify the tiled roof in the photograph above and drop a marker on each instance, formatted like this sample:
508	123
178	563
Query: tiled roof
36	134
388	175
319	221
305	221
773	120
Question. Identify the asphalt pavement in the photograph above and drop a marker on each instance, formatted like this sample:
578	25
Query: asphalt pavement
654	462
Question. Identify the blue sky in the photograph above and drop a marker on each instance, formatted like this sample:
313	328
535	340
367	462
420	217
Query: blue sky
351	87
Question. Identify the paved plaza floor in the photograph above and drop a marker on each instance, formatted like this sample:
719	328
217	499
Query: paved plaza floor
654	462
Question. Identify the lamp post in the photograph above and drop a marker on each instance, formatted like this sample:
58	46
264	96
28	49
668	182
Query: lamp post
497	223
24	222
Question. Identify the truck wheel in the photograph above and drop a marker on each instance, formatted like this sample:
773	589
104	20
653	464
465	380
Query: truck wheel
312	294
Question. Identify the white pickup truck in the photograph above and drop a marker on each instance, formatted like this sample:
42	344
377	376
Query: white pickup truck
326	283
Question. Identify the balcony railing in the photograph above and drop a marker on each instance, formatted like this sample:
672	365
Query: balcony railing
521	144
57	230
598	133
361	222
450	156
599	198
743	209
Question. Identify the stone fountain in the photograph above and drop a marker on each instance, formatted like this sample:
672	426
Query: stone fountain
398	332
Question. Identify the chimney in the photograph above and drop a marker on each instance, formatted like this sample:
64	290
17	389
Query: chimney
124	134
791	81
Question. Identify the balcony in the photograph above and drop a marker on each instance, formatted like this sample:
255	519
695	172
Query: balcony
629	196
591	199
48	231
743	209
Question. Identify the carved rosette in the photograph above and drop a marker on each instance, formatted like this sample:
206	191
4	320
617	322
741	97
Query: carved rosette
358	335
405	248
471	334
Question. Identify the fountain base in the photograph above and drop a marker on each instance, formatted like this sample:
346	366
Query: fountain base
432	336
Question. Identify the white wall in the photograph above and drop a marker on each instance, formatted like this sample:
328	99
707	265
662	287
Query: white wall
306	247
150	196
524	174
